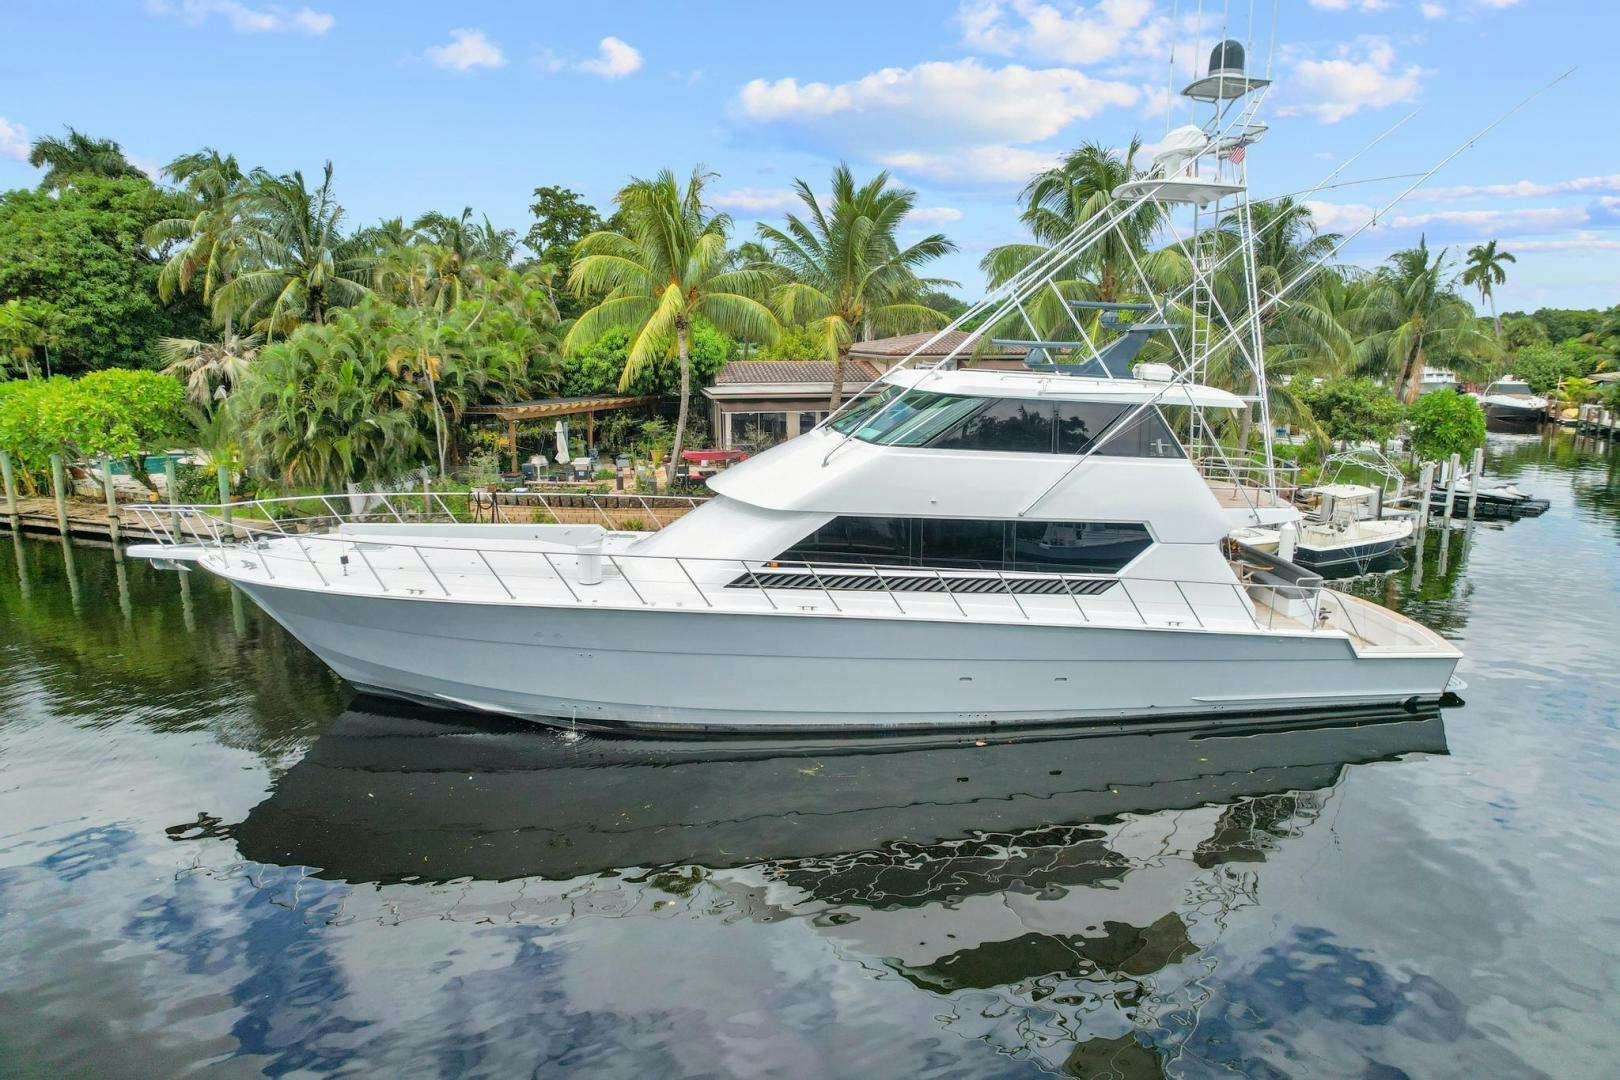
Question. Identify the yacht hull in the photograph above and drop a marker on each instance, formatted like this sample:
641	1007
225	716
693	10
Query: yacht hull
699	672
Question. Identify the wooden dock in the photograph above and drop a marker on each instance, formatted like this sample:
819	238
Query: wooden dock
86	520
1596	420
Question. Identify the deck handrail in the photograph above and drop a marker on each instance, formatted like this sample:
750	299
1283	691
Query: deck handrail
250	539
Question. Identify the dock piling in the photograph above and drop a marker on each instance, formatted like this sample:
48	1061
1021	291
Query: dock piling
114	525
1426	492
10	479
170	493
1453	467
59	489
1476	473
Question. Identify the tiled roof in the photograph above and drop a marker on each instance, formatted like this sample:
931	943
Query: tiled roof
784	372
903	346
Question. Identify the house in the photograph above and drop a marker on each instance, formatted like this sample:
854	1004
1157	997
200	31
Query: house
785	398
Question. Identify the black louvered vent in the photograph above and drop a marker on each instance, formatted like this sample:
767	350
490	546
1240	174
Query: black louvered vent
847	582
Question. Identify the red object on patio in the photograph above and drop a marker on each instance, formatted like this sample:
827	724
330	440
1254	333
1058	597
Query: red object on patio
701	457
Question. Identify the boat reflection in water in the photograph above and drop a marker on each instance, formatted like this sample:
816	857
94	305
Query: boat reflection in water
1059	895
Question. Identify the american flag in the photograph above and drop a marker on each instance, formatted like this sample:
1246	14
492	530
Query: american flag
1235	155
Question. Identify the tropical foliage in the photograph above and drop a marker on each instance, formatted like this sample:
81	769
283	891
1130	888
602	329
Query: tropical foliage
664	270
1445	423
1353	410
117	413
847	278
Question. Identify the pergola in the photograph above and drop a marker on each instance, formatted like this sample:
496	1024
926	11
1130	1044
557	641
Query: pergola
555	409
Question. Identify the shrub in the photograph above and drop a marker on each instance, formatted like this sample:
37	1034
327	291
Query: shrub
114	413
1445	423
1353	410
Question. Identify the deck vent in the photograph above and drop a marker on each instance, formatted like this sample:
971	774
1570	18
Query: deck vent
897	581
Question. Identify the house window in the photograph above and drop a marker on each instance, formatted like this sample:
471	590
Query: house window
1079	547
808	420
758	427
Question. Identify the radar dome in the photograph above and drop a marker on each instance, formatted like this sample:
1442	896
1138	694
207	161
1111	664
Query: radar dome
1226	59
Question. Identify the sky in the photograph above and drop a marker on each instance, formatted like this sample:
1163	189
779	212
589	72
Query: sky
432	106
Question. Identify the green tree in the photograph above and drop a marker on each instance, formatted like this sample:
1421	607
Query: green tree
1445	423
81	253
209	369
1521	331
206	238
1544	367
667	268
598	368
848	278
296	262
75	155
1353	410
562	218
114	413
796	343
1485	269
1412	312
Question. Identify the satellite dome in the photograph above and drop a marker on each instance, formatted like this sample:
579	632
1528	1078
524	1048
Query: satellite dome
1226	59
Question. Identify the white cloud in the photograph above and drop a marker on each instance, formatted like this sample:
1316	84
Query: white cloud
244	19
614	60
940	103
1346	5
1432	11
13	140
468	49
933	215
1346	217
1530	188
1362	75
1070	33
973	164
755	200
1578	241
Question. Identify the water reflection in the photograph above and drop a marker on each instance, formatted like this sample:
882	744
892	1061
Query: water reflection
1058	895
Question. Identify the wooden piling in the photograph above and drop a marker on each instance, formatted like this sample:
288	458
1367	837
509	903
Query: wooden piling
10	480
59	489
1426	492
114	525
171	492
1454	466
1476	472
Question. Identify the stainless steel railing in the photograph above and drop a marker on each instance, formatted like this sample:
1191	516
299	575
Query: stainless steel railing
265	533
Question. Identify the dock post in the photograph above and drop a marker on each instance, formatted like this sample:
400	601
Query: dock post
171	490
1476	472
1425	493
59	489
225	496
1454	466
10	479
114	525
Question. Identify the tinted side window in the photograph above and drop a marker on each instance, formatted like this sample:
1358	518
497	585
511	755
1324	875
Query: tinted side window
864	540
1146	436
1002	424
971	545
1096	547
1080	422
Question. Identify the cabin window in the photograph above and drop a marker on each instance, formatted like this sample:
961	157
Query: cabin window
1010	425
1080	547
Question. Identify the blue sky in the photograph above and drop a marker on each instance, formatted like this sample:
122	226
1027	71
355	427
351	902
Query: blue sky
432	106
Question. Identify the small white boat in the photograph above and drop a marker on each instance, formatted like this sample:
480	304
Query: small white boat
1347	529
1512	401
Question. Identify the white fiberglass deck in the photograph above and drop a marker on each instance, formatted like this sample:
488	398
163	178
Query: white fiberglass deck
540	566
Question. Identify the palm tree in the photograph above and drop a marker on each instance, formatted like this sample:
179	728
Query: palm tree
847	275
210	369
666	268
209	239
297	264
1486	268
77	154
1411	311
1076	190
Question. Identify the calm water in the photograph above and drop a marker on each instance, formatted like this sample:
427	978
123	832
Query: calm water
213	857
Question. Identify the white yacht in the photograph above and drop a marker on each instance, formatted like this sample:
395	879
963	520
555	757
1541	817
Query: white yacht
960	549
1511	400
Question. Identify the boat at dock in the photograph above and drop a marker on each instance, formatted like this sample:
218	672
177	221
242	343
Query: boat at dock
1511	401
1347	528
960	548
